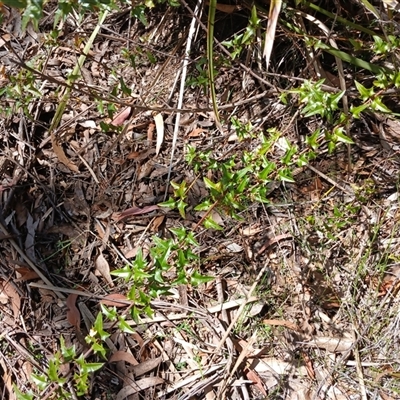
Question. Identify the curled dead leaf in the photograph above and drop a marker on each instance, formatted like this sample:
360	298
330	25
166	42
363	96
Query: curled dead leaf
103	268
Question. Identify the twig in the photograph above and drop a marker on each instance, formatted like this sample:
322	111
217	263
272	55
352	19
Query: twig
360	375
182	89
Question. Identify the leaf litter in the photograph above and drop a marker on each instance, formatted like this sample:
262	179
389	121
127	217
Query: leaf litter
78	207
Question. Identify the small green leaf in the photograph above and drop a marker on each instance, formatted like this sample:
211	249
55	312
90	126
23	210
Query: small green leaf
125	89
124	326
181	205
140	13
52	371
98	348
341	137
211	185
170	203
98	327
40	381
158	276
190	239
365	93
22	396
180	233
91	367
81	382
210	223
286	176
135	314
379	106
197	279
110	313
356	111
204	206
68	353
125	273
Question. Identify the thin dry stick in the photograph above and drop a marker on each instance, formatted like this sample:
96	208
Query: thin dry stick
330	180
191	34
360	375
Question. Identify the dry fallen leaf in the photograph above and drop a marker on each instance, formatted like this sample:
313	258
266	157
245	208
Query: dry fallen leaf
158	119
274	10
26	274
115	300
59	152
88	124
9	290
103	268
255	378
269	364
146	366
157	222
136	211
123	356
73	314
226	8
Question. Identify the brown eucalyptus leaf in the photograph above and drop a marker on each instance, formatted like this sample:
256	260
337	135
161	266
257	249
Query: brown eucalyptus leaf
115	300
59	152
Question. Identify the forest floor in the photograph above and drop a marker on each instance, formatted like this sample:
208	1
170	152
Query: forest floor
295	297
